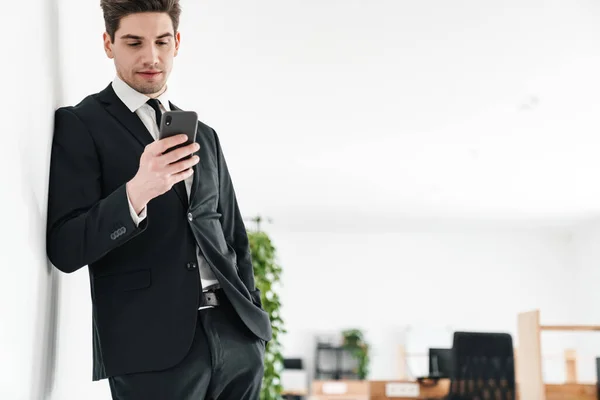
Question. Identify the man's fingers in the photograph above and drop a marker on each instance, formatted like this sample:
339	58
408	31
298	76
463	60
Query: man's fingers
178	177
182	165
159	147
179	153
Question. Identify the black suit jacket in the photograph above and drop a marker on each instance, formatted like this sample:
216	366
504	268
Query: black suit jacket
144	280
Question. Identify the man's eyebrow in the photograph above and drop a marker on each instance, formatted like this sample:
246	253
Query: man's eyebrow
135	37
130	36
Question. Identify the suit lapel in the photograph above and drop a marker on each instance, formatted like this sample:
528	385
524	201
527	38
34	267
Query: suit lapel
129	119
136	127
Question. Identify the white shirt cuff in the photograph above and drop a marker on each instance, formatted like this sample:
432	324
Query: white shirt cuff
136	218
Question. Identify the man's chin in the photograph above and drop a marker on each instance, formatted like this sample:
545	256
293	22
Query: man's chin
148	87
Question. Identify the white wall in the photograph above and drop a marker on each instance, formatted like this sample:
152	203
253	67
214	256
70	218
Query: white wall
385	108
342	117
28	285
432	279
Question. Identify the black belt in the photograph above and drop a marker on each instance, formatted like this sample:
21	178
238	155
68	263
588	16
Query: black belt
211	298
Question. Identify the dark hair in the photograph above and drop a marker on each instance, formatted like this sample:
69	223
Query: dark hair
114	10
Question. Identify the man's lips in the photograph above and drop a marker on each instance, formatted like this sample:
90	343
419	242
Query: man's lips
149	74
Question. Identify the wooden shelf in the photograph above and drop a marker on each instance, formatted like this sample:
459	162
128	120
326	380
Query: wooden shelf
529	361
571	328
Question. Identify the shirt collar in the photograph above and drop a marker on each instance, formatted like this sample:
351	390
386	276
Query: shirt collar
134	99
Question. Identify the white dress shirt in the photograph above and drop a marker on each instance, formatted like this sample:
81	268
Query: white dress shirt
136	102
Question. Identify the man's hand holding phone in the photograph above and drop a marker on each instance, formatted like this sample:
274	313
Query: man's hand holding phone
158	172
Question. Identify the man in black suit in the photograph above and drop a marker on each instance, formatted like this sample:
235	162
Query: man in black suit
176	314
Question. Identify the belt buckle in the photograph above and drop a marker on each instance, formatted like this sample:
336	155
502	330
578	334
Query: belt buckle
210	300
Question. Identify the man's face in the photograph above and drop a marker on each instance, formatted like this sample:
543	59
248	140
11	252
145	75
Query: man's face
143	51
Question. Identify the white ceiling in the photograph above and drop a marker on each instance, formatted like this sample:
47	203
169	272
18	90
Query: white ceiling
364	113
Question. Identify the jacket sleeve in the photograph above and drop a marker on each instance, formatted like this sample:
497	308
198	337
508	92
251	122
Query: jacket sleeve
233	224
82	226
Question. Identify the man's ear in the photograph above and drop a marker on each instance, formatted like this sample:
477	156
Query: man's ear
177	42
107	45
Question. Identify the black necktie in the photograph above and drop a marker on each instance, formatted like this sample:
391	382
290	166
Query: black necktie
155	104
180	186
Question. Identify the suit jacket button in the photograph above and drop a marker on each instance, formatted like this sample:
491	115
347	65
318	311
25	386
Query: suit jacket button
191	266
190	217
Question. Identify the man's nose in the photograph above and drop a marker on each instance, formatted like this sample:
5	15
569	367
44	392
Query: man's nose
150	55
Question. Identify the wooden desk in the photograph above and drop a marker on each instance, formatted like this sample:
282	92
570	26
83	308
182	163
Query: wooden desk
570	391
376	390
297	393
426	390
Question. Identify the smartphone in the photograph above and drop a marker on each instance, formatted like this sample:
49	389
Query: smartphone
176	122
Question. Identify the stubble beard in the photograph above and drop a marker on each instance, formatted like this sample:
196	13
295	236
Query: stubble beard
149	88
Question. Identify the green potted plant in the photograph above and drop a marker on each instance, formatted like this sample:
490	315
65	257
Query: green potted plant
353	340
267	275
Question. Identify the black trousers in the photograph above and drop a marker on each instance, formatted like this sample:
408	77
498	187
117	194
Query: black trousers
225	362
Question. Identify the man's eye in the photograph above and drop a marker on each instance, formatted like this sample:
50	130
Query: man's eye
163	43
133	44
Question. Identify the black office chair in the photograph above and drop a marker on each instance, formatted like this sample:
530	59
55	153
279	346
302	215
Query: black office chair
483	367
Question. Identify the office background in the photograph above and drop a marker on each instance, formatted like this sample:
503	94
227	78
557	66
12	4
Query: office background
429	166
